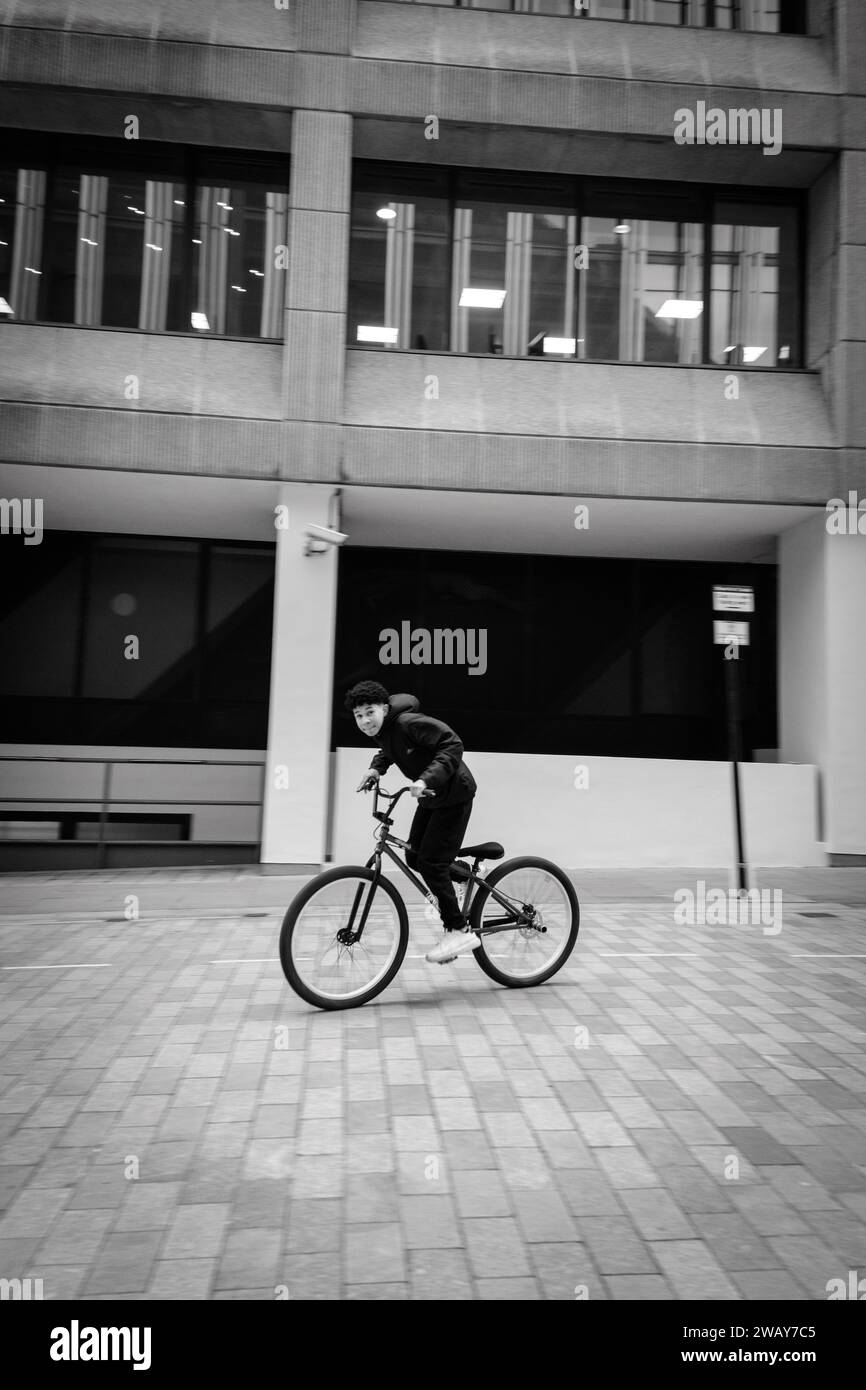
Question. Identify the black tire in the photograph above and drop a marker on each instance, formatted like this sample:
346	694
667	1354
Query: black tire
475	914
296	907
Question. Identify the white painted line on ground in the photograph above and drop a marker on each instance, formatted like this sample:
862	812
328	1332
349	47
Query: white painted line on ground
827	955
86	965
642	955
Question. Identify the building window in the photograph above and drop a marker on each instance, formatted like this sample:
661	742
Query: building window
483	262
630	671
133	640
754	16
174	240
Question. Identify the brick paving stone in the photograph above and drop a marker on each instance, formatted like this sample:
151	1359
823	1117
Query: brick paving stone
314	1226
812	1263
409	1100
774	1285
656	1214
420	1174
439	1274
416	1132
579	1096
565	1149
588	1193
124	1263
62	1281
468	1149
33	1213
148	1206
480	1192
508	1130
196	1231
626	1168
733	1241
614	1245
75	1238
758	1146
649	1288
692	1270
495	1248
833	1172
842	1232
383	1293
561	1267
523	1167
318	1175
375	1253
797	1186
211	1181
504	1290
181	1280
456	1112
546	1114
542	1214
599	1129
448	1083
429	1222
369	1153
492	1095
251	1255
371	1197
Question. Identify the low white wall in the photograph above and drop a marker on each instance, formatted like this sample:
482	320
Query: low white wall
209	787
633	813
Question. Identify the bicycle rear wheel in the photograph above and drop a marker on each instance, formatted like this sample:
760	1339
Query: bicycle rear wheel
527	955
319	958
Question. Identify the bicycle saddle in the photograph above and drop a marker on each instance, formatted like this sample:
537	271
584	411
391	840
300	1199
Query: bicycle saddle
489	850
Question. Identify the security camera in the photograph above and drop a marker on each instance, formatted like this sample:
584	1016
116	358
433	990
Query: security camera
320	537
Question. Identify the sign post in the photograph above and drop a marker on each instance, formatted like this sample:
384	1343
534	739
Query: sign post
732	635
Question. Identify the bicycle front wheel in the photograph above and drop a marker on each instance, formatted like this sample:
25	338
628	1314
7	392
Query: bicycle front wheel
323	959
526	955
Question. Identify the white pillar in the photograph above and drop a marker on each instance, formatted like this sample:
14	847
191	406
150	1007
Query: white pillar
822	671
302	659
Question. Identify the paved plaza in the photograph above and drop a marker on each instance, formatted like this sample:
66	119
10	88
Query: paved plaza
679	1114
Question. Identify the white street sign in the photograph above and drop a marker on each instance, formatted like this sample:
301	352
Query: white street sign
733	598
725	632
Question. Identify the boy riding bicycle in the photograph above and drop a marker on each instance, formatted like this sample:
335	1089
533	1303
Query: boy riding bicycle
430	754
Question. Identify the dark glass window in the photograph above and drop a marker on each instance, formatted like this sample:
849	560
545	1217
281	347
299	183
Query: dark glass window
136	640
596	656
171	240
599	270
758	16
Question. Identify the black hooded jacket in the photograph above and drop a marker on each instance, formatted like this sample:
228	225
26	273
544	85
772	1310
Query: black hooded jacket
425	750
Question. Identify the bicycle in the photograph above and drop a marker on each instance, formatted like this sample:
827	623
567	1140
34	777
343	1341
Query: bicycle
351	927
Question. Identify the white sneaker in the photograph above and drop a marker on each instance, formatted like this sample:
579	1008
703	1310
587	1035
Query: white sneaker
453	944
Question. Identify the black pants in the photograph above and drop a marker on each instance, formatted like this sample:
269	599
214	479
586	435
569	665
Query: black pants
435	837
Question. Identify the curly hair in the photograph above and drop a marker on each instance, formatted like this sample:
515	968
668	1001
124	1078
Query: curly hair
366	693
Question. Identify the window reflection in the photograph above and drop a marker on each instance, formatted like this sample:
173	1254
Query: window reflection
643	275
101	247
533	277
757	16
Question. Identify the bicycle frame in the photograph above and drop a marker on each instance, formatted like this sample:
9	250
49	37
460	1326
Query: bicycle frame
384	843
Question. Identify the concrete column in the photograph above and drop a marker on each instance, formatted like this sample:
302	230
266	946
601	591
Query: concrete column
317	290
302	656
822	670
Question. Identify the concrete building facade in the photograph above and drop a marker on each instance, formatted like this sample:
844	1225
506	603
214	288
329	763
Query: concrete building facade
584	458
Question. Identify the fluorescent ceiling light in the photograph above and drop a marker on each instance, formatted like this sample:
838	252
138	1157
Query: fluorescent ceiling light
621	228
200	321
751	354
559	344
369	333
386	214
784	354
681	309
481	299
4	308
